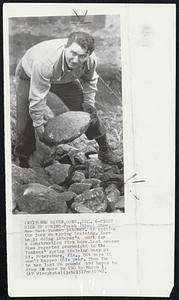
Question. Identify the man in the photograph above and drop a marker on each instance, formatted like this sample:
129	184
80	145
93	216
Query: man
68	68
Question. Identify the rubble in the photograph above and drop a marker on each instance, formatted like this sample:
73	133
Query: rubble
69	178
92	187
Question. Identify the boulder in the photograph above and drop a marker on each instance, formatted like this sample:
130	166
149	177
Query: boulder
67	127
19	190
35	189
28	175
80	208
94	200
59	172
44	202
78	177
79	188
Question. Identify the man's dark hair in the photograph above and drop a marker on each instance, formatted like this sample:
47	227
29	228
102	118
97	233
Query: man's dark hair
83	39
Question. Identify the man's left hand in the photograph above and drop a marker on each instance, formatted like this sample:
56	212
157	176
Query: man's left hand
92	111
40	130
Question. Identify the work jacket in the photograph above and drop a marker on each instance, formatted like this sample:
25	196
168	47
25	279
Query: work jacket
45	64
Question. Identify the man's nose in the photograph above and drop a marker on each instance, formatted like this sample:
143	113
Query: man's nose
76	59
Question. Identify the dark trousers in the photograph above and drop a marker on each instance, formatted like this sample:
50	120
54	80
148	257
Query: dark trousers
70	93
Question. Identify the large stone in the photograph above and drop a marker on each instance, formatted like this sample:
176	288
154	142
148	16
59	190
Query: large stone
59	172
24	176
94	200
42	201
19	190
79	188
80	208
35	189
67	127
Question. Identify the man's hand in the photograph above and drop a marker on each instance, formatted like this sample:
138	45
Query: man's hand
43	136
92	111
40	132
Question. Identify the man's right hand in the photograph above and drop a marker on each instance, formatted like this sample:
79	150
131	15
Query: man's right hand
40	132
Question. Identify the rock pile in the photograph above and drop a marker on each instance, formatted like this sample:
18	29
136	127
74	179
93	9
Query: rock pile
71	183
71	178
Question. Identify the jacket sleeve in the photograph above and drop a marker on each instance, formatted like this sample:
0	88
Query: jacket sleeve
90	80
39	88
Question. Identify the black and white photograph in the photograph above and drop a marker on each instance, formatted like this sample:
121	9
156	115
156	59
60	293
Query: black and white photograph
66	114
89	106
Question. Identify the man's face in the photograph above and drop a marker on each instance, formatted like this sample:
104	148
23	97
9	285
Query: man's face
75	55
